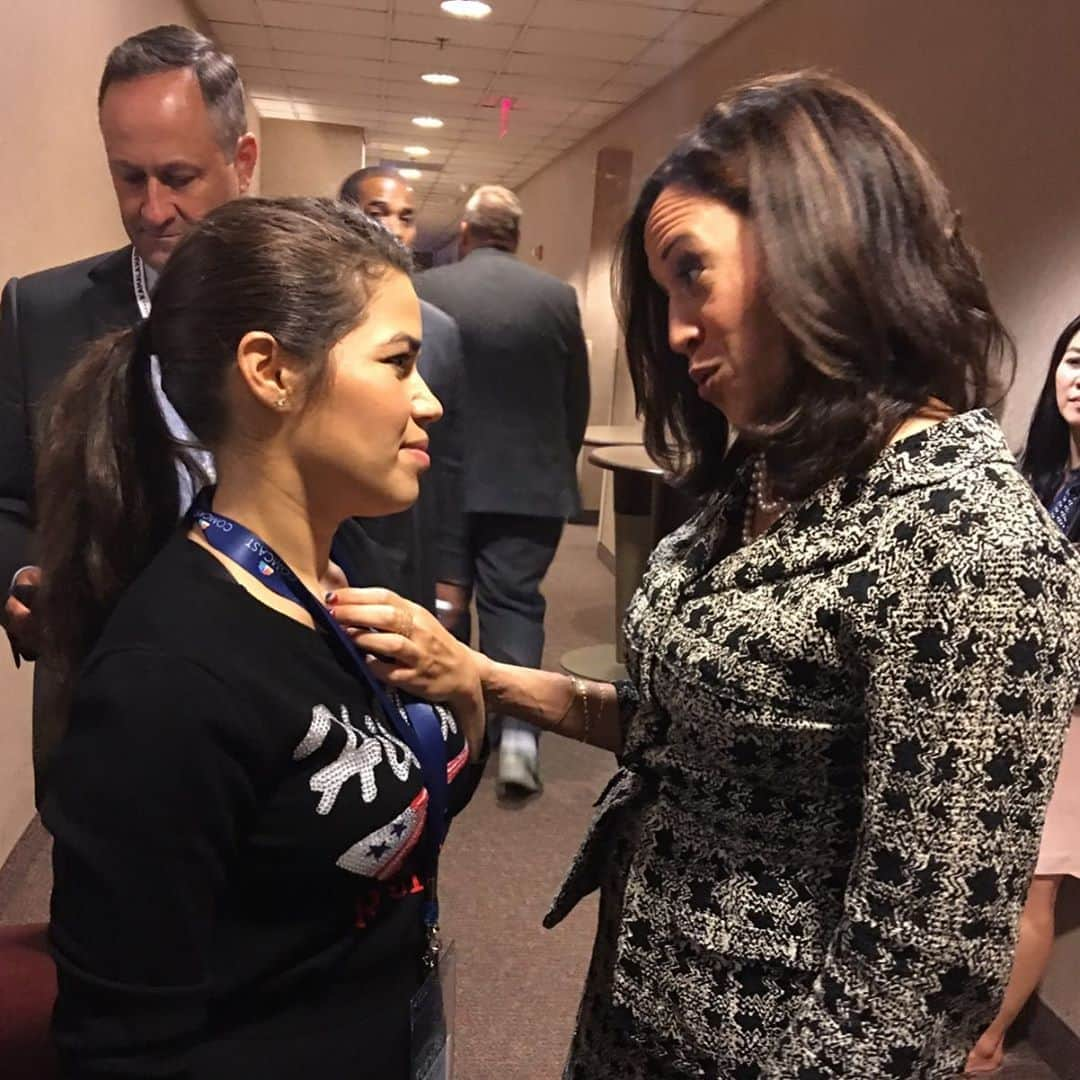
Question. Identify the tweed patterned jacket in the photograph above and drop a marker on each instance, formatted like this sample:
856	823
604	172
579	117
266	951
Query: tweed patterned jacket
840	743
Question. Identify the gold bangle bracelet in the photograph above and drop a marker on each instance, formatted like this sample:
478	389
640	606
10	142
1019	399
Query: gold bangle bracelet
569	705
583	690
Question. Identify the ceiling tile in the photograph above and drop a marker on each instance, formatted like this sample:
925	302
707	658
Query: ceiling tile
453	125
595	46
352	99
237	35
410	73
235	11
738	8
600	17
330	67
327	114
324	17
271	107
670	54
359	62
595	112
511	11
430	28
260	88
623	93
245	55
363	79
255	75
452	58
532	104
325	44
556	67
640	74
403	110
521	85
702	29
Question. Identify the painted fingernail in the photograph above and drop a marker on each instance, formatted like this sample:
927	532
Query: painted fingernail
331	598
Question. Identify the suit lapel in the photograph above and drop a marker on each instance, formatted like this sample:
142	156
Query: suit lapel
109	303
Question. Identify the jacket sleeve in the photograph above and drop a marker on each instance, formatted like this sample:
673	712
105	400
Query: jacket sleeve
577	382
448	469
971	676
145	805
16	454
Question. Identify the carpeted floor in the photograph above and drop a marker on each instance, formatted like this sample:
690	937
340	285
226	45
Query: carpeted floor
518	984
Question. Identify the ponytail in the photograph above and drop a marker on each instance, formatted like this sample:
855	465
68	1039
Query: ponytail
106	488
301	270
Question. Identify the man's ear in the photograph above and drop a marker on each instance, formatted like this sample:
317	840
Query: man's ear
247	154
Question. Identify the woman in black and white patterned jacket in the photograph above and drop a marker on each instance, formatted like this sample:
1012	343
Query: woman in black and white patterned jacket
851	673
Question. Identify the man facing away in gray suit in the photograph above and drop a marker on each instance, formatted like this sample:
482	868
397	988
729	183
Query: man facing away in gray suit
527	404
431	538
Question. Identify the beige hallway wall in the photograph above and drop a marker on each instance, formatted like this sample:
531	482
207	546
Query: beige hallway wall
58	206
305	158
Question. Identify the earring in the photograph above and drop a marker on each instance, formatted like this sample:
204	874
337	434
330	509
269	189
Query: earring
282	402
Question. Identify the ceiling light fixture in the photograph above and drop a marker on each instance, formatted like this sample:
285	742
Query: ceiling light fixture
466	9
410	174
416	151
427	121
440	78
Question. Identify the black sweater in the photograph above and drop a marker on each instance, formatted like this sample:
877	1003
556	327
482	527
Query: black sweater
235	850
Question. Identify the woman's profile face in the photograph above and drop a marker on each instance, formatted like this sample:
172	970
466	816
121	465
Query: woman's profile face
365	435
1067	380
708	261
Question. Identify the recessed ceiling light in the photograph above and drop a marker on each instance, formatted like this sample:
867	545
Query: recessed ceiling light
416	151
440	78
427	121
410	174
466	9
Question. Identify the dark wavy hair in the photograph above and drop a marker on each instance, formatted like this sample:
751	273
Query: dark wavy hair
1046	452
301	270
880	298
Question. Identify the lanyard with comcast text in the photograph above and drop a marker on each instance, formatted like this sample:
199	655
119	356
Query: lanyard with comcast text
416	723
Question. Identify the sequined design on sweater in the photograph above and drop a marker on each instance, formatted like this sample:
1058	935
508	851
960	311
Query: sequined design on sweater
381	853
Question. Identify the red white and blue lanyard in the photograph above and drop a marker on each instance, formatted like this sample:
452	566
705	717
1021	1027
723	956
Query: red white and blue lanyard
416	723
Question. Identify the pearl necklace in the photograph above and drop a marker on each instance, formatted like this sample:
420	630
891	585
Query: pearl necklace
757	499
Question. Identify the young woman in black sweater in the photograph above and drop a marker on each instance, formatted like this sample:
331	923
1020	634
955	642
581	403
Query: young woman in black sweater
242	820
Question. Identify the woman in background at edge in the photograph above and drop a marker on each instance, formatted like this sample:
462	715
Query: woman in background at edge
1051	462
851	673
239	825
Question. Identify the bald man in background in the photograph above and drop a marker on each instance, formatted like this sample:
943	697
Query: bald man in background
527	371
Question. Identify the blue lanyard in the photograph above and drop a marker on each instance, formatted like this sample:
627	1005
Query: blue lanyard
416	723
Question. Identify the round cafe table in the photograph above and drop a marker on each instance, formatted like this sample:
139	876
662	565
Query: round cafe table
639	504
613	435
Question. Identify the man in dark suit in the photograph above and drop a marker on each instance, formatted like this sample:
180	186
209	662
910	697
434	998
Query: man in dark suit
527	405
171	110
430	540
